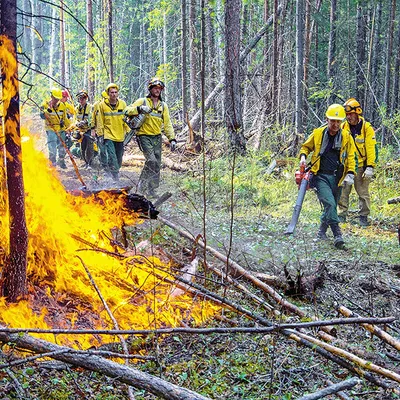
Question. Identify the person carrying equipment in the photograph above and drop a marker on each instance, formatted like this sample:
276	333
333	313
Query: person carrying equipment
54	112
149	134
333	165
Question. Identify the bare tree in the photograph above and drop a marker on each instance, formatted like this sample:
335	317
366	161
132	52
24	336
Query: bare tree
89	45
13	279
233	111
110	39
184	58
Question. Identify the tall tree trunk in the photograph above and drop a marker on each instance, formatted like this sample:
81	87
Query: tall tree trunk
275	55
184	71
331	68
375	57
62	44
89	48
110	39
233	106
299	72
13	282
53	46
193	56
389	51
395	99
360	85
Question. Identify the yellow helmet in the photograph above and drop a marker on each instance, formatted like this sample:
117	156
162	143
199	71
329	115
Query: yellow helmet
335	111
352	105
156	82
112	85
56	93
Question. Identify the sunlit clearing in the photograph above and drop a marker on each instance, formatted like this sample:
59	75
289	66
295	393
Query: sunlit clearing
60	292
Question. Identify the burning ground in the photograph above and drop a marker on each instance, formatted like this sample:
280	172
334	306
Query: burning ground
68	234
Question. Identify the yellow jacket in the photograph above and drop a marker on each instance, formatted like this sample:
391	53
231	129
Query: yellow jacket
347	150
158	118
109	120
84	113
365	144
56	118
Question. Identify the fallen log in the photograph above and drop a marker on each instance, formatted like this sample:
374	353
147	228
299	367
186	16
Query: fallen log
239	270
121	373
390	340
333	389
351	357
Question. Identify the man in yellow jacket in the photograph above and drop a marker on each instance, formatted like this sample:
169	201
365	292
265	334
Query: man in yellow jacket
54	113
112	128
149	134
366	154
333	165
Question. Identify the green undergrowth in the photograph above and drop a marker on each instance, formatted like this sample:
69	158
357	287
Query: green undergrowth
256	206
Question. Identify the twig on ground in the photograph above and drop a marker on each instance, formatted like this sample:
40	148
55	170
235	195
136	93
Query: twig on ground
333	389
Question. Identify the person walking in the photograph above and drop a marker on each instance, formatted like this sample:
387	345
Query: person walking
366	154
54	112
83	116
111	126
149	134
332	165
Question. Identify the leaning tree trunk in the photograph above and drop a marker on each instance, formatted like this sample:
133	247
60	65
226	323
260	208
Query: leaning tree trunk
13	282
233	106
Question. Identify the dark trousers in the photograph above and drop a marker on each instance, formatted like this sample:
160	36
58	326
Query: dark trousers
87	148
328	193
150	145
115	151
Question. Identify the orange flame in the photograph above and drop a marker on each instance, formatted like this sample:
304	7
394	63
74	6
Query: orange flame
60	293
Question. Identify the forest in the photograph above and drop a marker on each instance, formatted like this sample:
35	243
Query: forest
207	298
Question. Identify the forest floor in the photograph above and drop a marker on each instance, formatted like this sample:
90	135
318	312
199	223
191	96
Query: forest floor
365	278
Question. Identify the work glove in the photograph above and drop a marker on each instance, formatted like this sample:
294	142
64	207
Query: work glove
368	173
172	144
348	180
303	160
144	109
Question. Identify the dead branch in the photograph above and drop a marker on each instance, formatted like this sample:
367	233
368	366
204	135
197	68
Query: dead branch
333	389
201	331
173	165
373	329
121	373
341	395
234	266
351	357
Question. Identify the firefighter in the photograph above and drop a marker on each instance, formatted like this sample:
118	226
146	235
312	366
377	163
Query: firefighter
333	165
99	132
83	116
54	113
66	99
149	134
113	129
366	154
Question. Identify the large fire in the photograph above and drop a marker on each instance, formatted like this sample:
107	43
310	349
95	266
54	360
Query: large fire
60	292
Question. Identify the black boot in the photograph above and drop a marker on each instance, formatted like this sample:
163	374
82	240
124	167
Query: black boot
337	235
321	234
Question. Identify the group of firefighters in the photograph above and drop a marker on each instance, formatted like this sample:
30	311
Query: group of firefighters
102	127
344	151
344	154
